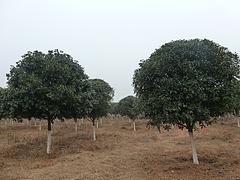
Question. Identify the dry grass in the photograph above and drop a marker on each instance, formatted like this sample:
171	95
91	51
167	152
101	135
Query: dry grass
118	153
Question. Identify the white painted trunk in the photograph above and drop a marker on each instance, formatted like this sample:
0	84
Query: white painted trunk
94	134
82	120
49	141
52	128
76	127
194	152
35	122
238	123
101	121
134	126
97	123
40	125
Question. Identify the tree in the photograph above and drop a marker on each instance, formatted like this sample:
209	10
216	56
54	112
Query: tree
236	102
113	108
48	86
7	104
186	82
101	96
2	103
128	106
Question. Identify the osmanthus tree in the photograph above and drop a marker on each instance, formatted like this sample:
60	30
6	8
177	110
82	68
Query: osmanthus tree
101	96
113	108
185	83
8	104
128	106
2	96
47	86
4	110
236	102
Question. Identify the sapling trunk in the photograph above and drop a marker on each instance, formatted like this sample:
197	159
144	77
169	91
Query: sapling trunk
49	137
134	125
76	125
97	124
94	131
40	125
194	152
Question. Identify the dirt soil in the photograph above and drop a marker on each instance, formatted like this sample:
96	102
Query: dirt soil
118	152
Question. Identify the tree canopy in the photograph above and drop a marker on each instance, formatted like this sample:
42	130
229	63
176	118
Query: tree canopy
128	106
48	85
101	96
113	108
187	81
2	103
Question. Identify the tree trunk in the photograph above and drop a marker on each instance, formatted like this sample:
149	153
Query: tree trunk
194	152
94	131
101	121
76	125
134	125
238	123
49	138
97	124
40	125
35	122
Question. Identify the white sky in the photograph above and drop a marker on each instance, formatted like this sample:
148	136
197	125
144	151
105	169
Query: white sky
110	37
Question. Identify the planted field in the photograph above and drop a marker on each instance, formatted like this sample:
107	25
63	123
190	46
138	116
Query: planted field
118	152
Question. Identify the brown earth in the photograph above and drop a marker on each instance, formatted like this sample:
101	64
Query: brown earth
118	153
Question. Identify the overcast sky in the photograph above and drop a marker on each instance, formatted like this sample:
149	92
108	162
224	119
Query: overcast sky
110	37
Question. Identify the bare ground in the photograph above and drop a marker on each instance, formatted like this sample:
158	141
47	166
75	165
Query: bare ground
118	153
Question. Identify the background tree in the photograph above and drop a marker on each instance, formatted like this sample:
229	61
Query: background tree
236	101
2	103
186	82
8	104
101	96
128	106
47	86
113	108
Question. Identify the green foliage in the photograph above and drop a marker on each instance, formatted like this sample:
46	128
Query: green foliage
7	103
101	94
187	81
236	98
113	108
2	104
48	86
128	106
